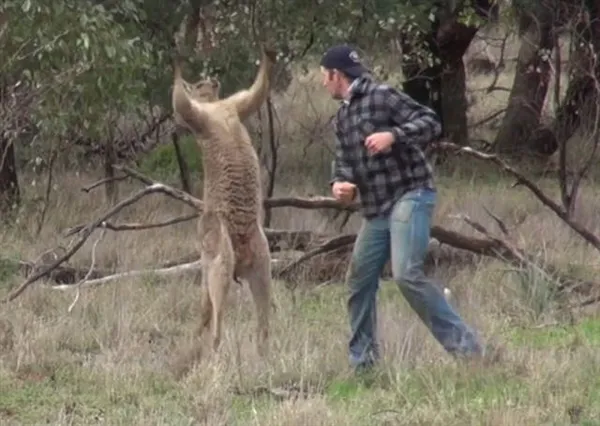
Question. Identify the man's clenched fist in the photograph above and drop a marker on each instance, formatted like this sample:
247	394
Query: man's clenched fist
344	191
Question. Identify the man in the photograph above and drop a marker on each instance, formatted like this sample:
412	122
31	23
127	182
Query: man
380	135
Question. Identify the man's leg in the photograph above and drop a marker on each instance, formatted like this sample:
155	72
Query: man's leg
410	223
371	252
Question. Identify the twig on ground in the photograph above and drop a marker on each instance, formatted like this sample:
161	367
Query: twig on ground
90	270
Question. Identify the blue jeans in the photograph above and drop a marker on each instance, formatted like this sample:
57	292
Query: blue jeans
403	235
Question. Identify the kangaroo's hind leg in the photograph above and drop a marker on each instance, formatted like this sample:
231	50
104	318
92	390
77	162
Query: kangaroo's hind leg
217	273
257	272
218	279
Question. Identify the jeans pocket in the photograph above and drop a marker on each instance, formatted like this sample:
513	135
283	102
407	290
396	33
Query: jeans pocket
403	211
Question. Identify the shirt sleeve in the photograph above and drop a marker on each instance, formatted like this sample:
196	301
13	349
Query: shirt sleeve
342	171
415	123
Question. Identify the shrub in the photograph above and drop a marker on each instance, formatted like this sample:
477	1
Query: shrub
161	162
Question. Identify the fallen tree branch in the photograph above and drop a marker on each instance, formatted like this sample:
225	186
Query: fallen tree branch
87	231
312	203
91	268
297	240
134	226
521	179
489	247
176	269
330	245
104	181
516	255
134	174
492	247
62	274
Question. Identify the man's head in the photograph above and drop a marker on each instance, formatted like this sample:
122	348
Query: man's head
340	66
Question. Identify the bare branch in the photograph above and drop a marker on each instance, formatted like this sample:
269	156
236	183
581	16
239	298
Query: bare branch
488	118
134	174
310	203
103	182
134	226
499	67
87	231
331	245
498	221
90	270
521	179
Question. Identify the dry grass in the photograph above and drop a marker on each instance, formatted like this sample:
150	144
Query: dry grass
121	356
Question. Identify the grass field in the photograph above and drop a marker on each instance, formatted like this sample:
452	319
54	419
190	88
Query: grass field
124	355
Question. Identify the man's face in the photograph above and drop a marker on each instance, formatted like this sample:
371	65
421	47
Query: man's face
334	83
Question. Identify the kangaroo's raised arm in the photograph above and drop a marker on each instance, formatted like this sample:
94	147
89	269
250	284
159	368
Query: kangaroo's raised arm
188	111
248	101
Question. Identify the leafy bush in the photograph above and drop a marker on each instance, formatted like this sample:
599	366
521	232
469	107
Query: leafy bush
161	162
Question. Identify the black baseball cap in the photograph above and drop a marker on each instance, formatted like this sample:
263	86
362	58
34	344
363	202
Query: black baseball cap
345	58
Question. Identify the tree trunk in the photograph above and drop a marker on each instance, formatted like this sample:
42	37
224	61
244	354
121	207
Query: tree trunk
184	170
9	183
443	86
453	40
531	80
111	187
454	103
422	84
580	102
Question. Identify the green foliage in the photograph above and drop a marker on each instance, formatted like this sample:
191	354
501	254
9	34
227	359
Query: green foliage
76	63
161	162
81	65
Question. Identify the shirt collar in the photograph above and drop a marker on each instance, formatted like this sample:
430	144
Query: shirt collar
357	86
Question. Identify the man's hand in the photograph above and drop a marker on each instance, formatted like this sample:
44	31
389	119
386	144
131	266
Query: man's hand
344	191
379	142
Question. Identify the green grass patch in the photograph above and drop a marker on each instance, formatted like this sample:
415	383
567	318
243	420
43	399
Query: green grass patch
83	395
8	269
553	336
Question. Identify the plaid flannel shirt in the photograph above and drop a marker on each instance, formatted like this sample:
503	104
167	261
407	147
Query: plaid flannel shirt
384	177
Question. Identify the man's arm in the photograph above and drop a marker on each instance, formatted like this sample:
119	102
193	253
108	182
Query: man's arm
415	123
342	171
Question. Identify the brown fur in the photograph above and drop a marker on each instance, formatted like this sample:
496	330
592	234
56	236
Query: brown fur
232	240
